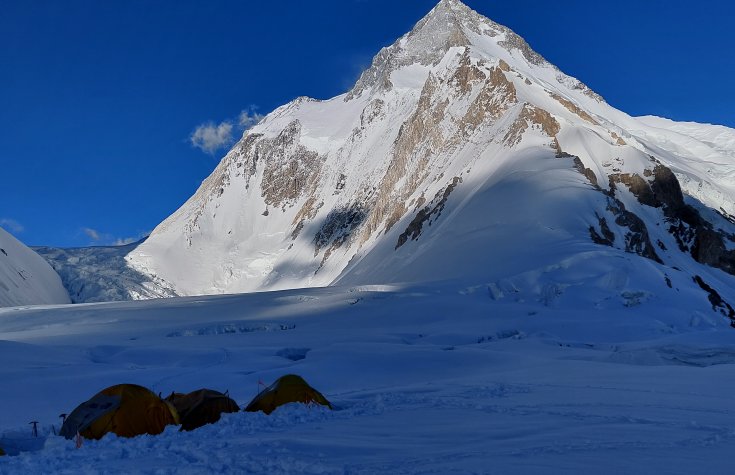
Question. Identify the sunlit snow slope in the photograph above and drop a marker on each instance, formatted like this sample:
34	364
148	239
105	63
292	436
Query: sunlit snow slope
459	154
25	278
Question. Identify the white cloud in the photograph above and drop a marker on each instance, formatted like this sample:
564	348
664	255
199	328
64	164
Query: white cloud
210	137
12	225
249	117
93	234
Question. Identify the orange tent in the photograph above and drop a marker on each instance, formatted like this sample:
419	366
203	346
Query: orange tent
286	389
127	410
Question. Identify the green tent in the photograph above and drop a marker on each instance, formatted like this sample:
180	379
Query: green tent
286	389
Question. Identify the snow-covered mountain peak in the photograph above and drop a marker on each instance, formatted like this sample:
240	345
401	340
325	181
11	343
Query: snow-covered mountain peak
459	154
451	27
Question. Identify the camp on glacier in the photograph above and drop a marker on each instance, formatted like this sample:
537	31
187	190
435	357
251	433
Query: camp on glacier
481	265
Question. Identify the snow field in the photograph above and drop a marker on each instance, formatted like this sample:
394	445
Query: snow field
431	379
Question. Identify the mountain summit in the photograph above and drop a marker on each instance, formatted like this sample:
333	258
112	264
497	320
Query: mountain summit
460	155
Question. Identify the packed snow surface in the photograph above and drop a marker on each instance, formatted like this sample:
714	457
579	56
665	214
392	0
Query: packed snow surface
433	379
25	278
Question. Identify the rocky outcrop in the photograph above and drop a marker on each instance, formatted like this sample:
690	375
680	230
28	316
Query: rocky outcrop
637	239
427	214
718	303
605	237
531	116
496	95
574	109
693	234
290	171
579	166
338	228
709	248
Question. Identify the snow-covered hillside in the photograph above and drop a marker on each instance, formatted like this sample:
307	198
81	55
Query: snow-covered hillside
460	154
25	278
101	274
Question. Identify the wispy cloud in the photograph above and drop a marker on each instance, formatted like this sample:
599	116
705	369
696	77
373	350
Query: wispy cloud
249	117
12	225
92	234
106	239
211	137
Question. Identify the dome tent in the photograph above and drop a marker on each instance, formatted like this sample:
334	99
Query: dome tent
201	407
286	389
126	410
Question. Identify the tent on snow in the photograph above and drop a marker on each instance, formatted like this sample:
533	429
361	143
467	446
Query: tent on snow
126	410
204	406
286	389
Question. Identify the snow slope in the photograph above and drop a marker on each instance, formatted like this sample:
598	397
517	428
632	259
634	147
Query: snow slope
25	278
614	376
459	154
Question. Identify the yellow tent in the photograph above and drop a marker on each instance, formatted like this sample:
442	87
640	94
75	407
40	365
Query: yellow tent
127	410
286	389
204	406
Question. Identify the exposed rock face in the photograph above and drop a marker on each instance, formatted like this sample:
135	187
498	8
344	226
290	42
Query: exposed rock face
531	116
431	131
637	239
691	231
718	303
496	95
337	229
588	173
637	185
605	237
709	248
575	109
291	170
428	213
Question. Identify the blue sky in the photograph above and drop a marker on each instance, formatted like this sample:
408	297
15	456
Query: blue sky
99	100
